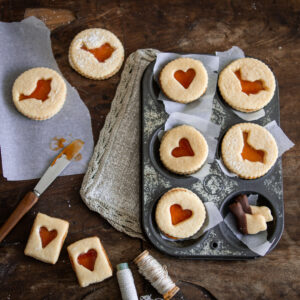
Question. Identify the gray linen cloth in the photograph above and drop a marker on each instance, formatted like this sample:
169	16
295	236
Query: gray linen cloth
111	185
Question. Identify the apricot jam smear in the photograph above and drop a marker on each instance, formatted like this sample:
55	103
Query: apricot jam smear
250	153
185	78
249	87
88	259
41	92
178	214
47	236
184	149
101	53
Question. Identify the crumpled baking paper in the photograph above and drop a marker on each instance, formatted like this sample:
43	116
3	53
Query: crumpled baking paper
25	143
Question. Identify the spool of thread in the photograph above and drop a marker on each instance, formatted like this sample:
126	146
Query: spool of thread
126	282
157	274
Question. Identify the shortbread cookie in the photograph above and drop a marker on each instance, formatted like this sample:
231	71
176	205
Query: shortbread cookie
89	261
180	213
249	150
247	84
247	223
183	150
184	80
96	53
46	238
39	93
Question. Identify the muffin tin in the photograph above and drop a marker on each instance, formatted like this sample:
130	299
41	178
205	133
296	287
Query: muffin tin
219	242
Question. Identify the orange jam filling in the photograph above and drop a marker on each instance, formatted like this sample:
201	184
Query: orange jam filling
185	78
41	92
178	214
102	53
184	149
57	143
70	151
88	259
249	87
47	236
250	153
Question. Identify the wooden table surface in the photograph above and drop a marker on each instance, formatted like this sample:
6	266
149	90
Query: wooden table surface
268	31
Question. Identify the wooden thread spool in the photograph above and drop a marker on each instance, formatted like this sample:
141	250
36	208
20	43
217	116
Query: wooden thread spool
157	274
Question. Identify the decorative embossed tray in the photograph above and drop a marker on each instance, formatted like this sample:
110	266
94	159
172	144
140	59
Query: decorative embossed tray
219	242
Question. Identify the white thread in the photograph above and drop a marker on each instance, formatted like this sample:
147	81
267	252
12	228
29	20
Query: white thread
126	284
157	274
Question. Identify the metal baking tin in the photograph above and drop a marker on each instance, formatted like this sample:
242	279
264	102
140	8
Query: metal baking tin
219	242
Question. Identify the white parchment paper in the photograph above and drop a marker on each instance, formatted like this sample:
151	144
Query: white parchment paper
201	107
212	219
25	143
209	130
226	58
257	243
282	141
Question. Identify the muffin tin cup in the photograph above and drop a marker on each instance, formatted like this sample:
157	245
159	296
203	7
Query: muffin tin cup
218	242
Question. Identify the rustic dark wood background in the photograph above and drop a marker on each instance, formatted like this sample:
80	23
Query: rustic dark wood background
268	30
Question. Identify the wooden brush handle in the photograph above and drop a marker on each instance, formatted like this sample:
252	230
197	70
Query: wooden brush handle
23	207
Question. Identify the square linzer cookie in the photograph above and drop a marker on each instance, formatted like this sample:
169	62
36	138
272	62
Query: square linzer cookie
89	261
46	238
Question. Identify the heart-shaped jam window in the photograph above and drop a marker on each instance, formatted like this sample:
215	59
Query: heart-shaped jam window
185	78
47	236
41	92
250	153
184	149
101	53
178	214
249	87
88	259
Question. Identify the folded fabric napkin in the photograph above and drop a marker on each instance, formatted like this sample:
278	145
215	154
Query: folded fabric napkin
111	185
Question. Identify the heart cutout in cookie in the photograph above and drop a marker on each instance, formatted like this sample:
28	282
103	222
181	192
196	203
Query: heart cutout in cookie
250	153
185	78
184	149
47	236
41	92
88	259
101	53
178	214
249	87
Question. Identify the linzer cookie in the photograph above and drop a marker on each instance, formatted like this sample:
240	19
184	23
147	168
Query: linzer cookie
46	238
247	84
39	93
89	261
249	150
96	53
184	80
183	150
180	213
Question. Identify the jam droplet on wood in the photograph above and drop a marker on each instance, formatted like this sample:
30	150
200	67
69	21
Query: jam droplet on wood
249	87
102	53
250	153
185	78
88	259
184	149
47	236
178	214
41	92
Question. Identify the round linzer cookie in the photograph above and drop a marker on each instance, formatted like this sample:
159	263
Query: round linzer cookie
184	80
96	53
247	84
183	150
180	213
39	93
249	150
